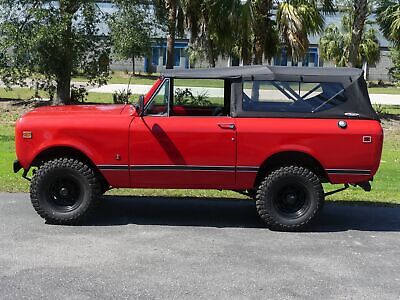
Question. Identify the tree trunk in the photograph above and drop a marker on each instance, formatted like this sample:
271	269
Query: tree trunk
211	62
63	80
357	30
170	51
258	53
246	60
133	65
210	52
235	61
262	8
63	90
246	52
171	11
63	75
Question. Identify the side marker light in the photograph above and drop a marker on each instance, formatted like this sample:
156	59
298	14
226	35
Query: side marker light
367	139
27	134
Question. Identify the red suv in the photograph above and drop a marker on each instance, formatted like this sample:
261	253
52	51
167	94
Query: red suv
274	133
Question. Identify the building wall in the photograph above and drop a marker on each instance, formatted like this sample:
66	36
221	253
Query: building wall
380	71
126	65
155	62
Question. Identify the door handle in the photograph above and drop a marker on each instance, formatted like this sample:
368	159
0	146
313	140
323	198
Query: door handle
227	126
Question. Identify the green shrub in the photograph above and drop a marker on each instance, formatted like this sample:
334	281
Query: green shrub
122	96
78	94
185	97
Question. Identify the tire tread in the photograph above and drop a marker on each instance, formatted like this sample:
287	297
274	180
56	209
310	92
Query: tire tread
265	188
69	163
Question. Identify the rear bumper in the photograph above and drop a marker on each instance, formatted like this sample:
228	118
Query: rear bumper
16	166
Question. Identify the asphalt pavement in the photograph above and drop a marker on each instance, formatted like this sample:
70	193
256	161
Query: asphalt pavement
177	248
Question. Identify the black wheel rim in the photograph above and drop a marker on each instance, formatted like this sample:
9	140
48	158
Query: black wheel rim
64	193
291	198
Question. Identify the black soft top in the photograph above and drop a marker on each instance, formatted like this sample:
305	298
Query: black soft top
267	73
354	85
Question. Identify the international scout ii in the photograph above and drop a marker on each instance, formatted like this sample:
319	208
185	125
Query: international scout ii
274	133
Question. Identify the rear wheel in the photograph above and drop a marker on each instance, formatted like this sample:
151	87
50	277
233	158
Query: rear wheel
64	190
289	198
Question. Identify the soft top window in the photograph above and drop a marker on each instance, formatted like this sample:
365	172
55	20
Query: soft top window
284	96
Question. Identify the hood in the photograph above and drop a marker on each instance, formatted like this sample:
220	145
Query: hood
73	110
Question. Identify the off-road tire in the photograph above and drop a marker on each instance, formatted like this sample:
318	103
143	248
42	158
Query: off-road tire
275	193
78	177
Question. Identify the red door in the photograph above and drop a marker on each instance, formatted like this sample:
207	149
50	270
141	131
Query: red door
182	152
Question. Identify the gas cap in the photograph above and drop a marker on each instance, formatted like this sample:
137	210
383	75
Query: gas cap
342	124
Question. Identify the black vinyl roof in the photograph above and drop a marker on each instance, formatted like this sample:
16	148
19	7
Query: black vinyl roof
217	73
263	72
353	88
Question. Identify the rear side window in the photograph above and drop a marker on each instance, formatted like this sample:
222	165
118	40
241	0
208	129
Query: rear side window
284	96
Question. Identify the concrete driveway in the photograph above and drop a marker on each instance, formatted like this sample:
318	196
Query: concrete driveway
157	248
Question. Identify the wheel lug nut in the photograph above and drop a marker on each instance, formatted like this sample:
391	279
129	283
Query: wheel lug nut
63	191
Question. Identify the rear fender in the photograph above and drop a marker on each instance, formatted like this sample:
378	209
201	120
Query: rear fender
291	157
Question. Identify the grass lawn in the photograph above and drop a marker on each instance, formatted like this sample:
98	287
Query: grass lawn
123	78
384	90
387	109
100	98
26	93
20	93
9	181
385	188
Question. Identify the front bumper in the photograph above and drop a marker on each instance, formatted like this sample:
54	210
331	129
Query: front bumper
16	166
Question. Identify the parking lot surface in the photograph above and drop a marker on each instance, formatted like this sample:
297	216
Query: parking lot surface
177	248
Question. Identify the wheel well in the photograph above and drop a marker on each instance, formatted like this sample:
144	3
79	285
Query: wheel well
290	158
69	152
56	152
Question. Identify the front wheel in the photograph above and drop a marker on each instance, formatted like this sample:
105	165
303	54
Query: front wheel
289	198
64	190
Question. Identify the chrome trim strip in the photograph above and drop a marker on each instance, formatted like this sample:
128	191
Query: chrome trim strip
348	172
182	168
113	167
247	169
214	168
178	168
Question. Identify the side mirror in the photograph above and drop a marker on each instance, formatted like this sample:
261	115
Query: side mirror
140	106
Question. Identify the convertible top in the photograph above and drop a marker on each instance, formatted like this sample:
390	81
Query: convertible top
350	98
263	72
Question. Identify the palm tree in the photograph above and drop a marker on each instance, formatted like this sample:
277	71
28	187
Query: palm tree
335	45
388	17
170	12
259	34
255	33
359	17
297	19
243	34
244	28
210	26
